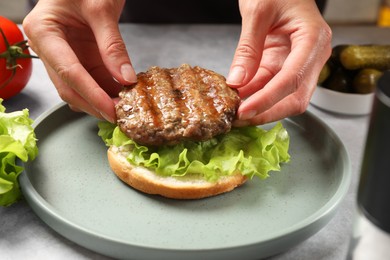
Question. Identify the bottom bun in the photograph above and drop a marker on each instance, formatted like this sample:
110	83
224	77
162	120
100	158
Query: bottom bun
147	181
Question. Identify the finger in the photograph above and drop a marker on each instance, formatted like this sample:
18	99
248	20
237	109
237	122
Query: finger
74	100
105	81
276	50
76	108
258	82
299	73
84	46
61	59
248	53
290	106
113	50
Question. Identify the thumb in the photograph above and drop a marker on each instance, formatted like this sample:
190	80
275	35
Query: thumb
247	56
114	53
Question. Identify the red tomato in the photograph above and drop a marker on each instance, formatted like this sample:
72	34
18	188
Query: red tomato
10	84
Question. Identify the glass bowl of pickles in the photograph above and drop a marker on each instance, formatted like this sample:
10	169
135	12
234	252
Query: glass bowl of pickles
348	79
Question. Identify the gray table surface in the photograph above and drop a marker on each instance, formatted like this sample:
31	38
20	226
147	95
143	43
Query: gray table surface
24	236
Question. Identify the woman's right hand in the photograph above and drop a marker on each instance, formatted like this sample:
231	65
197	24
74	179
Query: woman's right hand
82	49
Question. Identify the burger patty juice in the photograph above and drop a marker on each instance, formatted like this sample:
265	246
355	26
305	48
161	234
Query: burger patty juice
174	136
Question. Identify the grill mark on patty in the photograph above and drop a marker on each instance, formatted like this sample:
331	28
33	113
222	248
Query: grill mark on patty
193	100
180	98
147	92
219	97
212	90
170	105
164	99
210	112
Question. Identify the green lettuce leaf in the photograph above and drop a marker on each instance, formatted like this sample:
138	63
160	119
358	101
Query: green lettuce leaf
17	140
250	150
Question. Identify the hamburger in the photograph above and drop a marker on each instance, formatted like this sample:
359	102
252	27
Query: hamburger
174	136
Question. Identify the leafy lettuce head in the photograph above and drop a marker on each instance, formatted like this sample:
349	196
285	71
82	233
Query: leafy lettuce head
17	140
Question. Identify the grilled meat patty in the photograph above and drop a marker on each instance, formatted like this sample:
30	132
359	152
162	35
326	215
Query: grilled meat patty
167	106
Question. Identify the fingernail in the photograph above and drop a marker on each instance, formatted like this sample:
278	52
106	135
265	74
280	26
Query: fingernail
128	73
109	119
247	115
236	76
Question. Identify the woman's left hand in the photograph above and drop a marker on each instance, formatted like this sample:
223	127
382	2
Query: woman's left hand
281	51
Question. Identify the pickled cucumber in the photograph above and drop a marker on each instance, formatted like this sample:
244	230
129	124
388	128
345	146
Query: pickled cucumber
324	74
365	81
355	68
335	56
355	57
340	80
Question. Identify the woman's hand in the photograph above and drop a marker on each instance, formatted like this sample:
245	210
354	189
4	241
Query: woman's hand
282	49
82	49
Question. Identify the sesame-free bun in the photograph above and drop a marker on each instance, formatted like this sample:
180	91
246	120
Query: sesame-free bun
147	181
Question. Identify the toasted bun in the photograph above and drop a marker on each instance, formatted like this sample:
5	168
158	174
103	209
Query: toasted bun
147	181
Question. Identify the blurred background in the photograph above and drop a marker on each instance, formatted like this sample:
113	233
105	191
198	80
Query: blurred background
343	12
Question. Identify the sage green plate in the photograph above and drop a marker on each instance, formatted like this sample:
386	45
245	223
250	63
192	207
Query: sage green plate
71	187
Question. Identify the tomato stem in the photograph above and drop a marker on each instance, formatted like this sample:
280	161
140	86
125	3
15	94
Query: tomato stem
11	54
5	83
